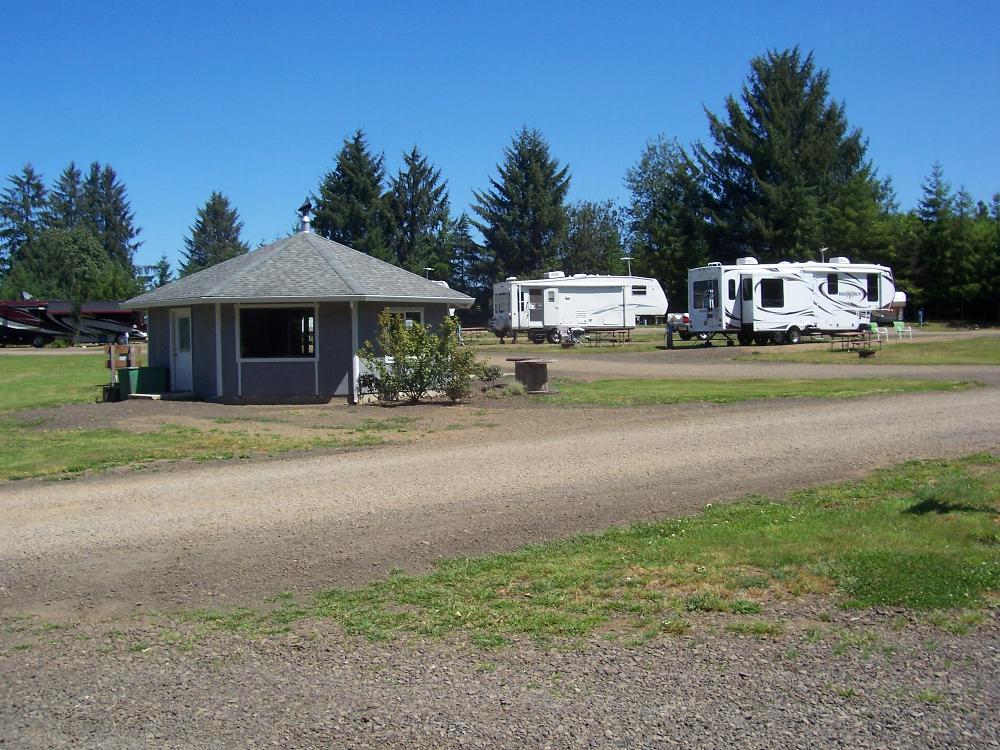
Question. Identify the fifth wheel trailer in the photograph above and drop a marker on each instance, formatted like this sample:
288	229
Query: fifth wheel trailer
782	302
543	308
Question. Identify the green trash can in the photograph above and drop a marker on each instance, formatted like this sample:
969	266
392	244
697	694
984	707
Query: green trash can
142	380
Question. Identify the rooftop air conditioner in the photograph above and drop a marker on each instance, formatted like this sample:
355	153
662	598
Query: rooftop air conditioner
747	261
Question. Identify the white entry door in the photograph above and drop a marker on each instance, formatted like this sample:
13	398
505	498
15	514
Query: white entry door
180	348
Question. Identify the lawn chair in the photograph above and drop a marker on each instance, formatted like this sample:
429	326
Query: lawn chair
879	332
901	328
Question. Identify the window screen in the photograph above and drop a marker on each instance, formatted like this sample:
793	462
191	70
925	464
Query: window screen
772	293
277	333
873	287
832	283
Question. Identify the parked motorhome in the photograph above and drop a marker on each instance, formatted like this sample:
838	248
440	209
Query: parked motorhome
544	308
779	303
37	322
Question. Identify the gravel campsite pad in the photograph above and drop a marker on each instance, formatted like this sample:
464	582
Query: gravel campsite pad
92	569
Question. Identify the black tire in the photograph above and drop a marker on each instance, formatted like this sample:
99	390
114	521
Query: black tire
38	342
778	337
121	339
793	336
761	339
553	335
704	336
745	339
685	335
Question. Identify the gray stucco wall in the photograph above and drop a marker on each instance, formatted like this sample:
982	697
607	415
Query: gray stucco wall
158	328
333	331
203	351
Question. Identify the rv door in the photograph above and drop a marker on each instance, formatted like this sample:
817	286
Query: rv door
550	308
746	302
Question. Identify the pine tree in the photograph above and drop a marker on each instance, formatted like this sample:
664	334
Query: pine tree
66	200
667	217
418	208
593	241
215	236
523	214
935	259
785	166
22	214
65	264
349	208
469	269
106	211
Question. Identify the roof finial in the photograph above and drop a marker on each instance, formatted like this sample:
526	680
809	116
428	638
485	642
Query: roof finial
304	211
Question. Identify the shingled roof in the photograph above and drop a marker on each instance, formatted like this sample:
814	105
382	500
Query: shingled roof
303	267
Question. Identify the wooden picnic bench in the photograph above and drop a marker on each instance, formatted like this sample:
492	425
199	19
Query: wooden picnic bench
862	342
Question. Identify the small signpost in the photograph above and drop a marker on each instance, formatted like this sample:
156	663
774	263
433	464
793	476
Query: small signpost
118	356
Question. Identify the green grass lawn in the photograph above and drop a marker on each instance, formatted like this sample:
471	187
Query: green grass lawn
644	392
981	350
38	381
922	535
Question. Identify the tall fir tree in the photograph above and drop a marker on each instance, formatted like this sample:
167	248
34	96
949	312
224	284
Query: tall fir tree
469	269
523	214
935	269
418	209
593	241
22	214
667	217
785	169
65	210
106	211
215	236
349	208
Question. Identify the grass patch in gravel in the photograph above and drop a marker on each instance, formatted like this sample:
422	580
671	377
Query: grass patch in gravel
28	452
647	392
910	536
980	350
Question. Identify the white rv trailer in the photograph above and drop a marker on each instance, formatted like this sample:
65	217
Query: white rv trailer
544	308
780	302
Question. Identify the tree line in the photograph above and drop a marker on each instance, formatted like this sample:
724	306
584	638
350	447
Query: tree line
781	175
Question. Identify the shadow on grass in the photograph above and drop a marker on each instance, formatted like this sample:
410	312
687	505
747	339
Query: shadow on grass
934	505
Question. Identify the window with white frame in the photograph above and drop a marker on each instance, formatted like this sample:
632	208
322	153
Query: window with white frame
410	315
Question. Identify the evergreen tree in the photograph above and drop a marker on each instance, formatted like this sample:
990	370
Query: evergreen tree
785	171
418	209
215	236
523	214
593	241
161	272
349	208
66	200
22	214
68	264
106	211
469	269
934	262
668	228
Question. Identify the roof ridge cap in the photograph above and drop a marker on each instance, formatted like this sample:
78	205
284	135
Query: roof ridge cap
338	267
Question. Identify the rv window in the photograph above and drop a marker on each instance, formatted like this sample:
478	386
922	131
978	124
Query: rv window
772	293
638	291
747	289
873	287
732	289
832	283
552	295
703	291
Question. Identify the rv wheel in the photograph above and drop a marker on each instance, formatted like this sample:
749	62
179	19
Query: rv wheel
553	335
38	342
792	336
761	339
685	335
745	339
703	336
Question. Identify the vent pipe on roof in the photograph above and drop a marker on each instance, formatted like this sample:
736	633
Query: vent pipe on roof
304	211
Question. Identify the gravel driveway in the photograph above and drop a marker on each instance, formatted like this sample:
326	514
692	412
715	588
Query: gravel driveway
119	545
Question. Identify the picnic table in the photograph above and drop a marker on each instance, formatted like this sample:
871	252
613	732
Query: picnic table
862	342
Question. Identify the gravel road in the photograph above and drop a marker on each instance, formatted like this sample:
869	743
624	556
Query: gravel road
118	545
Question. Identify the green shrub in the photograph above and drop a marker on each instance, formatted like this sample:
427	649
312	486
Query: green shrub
411	360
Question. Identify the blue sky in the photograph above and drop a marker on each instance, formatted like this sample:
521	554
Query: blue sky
254	99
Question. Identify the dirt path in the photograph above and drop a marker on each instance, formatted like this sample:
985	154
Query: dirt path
239	532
